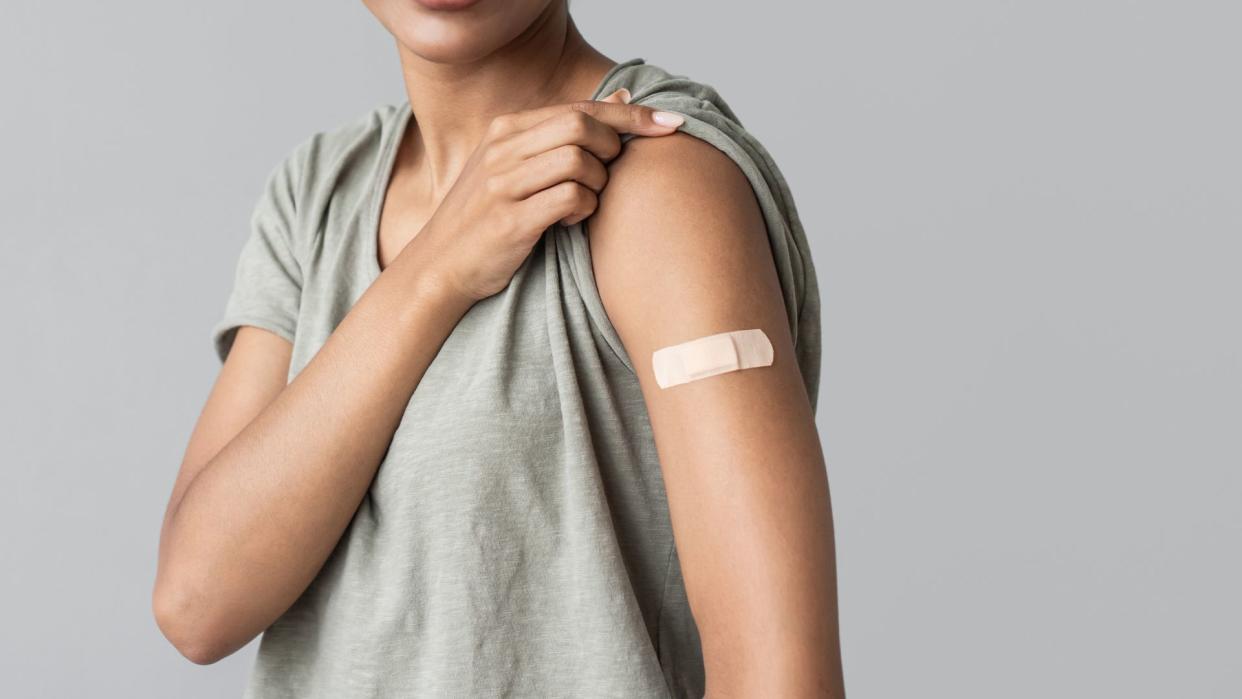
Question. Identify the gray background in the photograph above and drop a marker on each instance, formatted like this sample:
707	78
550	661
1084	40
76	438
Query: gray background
1026	218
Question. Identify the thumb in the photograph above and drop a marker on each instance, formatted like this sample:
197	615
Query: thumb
620	95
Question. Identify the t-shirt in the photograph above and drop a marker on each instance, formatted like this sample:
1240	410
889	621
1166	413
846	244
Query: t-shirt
515	540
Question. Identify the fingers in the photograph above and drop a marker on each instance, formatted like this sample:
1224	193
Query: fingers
567	128
622	118
564	163
629	118
567	202
562	149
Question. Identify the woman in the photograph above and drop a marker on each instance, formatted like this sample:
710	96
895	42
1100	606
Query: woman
436	461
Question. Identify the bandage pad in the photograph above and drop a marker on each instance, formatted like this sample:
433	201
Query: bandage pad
711	355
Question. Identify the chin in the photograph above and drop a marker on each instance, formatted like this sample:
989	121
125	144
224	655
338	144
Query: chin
456	31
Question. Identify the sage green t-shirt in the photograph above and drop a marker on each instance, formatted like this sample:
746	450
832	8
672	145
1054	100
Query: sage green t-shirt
516	539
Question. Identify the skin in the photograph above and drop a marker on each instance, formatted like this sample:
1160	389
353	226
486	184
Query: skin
502	147
739	452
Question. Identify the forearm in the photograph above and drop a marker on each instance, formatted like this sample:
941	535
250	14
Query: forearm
252	529
255	524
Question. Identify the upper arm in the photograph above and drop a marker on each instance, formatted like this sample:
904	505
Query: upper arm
253	374
680	251
253	337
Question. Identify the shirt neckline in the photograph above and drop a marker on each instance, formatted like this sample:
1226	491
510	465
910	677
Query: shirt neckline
390	145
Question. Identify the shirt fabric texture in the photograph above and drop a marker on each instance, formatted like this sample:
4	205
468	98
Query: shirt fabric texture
515	540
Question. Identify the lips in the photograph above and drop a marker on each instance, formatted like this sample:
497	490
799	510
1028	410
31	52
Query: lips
446	5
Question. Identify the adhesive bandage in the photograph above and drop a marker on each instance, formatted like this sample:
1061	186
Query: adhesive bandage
711	355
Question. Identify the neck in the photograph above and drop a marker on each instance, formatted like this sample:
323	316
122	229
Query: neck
548	63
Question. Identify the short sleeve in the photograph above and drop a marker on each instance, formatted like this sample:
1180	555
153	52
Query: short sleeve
709	118
267	280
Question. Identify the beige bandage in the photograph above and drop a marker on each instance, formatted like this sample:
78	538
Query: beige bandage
711	355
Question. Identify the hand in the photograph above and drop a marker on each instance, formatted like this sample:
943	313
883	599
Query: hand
532	169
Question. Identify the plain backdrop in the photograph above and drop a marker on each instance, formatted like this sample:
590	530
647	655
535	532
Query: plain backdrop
1027	221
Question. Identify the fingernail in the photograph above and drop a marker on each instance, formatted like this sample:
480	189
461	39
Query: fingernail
624	94
668	118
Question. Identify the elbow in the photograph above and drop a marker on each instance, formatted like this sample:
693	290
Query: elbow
188	626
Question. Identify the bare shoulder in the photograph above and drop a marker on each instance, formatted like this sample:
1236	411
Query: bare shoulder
678	176
679	245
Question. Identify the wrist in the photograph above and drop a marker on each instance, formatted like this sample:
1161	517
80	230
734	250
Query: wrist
437	288
420	267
